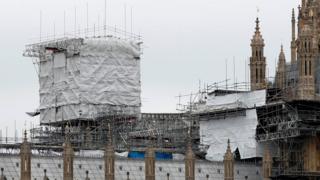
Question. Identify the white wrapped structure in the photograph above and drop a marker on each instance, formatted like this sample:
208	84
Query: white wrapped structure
84	78
237	121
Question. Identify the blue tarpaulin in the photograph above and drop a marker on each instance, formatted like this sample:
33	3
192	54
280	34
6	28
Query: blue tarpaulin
140	155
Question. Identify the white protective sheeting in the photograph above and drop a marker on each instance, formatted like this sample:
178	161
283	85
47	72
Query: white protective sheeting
98	76
241	130
233	101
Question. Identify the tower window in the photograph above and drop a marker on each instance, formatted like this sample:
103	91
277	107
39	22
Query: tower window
257	75
305	68
310	68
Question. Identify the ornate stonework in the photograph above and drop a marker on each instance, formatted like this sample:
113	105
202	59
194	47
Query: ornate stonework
150	164
68	156
228	164
281	71
189	162
25	157
257	61
267	164
109	157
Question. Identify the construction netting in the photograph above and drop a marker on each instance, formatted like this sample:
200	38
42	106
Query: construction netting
89	77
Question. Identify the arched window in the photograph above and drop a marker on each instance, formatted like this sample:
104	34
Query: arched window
310	68
257	75
305	68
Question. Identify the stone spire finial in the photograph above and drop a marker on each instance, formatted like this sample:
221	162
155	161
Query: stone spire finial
257	25
109	135
257	61
109	157
189	159
267	164
67	133
25	158
25	135
45	177
150	163
229	152
2	177
293	17
228	163
282	55
293	38
87	175
68	156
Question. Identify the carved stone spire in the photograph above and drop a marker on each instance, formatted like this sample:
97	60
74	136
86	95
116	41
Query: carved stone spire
293	38
189	160
68	156
267	164
228	164
45	177
109	157
281	70
2	177
25	159
150	163
87	175
257	60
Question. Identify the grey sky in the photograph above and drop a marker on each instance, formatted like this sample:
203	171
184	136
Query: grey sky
185	41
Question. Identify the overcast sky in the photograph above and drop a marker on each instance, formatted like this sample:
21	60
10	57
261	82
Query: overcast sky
184	41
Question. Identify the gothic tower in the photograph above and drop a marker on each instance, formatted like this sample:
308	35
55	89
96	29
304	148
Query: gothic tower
257	61
68	155
189	162
228	164
307	51
293	39
150	164
109	158
281	71
25	159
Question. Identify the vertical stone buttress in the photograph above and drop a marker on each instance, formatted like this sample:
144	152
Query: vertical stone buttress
2	177
257	61
281	71
150	163
25	159
189	162
109	158
307	52
267	164
68	156
293	39
45	177
87	175
312	154
228	164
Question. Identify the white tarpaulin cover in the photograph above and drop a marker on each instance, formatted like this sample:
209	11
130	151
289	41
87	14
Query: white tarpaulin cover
233	101
97	76
241	130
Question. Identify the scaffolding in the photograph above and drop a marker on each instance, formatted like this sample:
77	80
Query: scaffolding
288	125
